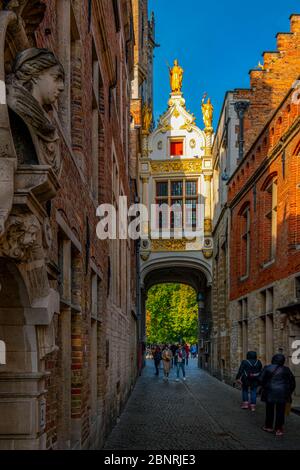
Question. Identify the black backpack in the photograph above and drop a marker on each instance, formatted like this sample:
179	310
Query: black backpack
250	374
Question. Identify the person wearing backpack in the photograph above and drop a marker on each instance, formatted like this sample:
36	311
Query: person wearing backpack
278	384
248	376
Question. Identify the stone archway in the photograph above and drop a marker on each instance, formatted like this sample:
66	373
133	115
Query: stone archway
183	271
22	385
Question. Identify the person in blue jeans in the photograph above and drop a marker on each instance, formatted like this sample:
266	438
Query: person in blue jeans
248	376
180	358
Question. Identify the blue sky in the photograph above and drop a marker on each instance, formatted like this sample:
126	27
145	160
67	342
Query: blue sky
216	42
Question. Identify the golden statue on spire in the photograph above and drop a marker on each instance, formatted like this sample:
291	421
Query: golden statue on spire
176	76
207	111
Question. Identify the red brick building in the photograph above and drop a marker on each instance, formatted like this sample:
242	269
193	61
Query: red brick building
82	357
256	256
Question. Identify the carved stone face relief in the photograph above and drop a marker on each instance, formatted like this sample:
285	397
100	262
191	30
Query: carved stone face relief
20	237
48	86
35	83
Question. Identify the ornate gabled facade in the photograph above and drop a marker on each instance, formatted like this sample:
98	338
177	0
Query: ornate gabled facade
176	168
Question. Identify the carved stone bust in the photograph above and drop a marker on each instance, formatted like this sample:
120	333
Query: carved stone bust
34	85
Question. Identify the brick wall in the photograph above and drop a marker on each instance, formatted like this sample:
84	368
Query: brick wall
269	85
77	207
274	156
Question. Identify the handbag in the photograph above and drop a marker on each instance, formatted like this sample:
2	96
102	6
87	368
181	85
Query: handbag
264	390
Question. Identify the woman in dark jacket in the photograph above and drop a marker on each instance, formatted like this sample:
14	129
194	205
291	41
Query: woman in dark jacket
247	376
278	384
157	358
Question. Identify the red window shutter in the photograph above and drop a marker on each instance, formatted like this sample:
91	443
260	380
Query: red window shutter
176	148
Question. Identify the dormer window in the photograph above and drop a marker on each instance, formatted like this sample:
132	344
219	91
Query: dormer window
176	148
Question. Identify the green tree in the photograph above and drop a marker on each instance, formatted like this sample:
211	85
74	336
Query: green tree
172	314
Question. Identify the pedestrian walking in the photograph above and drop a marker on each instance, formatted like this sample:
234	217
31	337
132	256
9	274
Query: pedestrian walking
173	348
167	361
157	359
248	376
278	384
187	351
193	351
180	358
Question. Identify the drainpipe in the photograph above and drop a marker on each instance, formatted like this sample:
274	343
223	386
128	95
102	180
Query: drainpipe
201	323
240	108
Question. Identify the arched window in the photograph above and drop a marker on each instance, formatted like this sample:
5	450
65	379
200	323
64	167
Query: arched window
245	235
269	222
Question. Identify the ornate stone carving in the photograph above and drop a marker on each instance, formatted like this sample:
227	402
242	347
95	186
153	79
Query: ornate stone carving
188	125
145	256
207	226
47	234
147	118
207	253
170	245
34	85
190	166
20	237
176	113
164	126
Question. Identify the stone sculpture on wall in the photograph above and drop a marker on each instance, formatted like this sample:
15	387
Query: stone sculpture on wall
34	85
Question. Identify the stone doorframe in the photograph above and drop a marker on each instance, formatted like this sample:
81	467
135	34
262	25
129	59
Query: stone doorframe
27	303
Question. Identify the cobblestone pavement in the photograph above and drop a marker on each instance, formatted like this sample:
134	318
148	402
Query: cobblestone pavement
201	413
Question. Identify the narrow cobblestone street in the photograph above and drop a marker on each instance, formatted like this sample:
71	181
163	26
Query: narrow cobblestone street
201	413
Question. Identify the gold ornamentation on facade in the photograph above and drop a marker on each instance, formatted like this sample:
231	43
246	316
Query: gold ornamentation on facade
208	253
145	256
191	166
147	117
207	111
192	143
164	126
176	113
188	125
176	100
207	226
208	178
169	245
176	77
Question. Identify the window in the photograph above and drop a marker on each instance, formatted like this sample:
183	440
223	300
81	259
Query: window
96	123
176	148
269	222
245	243
243	327
180	194
266	325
